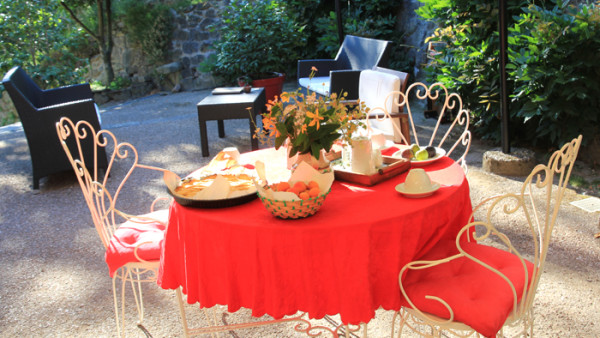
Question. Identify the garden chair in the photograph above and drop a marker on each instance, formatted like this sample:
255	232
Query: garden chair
342	73
39	110
467	286
132	243
457	134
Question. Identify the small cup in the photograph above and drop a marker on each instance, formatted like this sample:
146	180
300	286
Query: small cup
233	152
417	181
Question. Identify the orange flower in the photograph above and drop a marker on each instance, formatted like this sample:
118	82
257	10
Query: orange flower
303	129
268	123
315	118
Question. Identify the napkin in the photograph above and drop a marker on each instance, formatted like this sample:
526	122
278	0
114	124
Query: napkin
219	189
303	173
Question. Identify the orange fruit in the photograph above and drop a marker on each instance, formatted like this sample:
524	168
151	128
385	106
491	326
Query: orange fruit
314	192
301	186
283	186
294	190
313	184
303	195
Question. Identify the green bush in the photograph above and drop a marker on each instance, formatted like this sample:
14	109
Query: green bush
552	76
306	13
150	24
368	18
120	83
555	69
257	37
467	54
39	37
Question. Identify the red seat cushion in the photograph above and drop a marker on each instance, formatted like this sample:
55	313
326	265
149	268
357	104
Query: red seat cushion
129	235
479	297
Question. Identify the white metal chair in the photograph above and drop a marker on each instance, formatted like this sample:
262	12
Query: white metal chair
465	287
457	133
132	243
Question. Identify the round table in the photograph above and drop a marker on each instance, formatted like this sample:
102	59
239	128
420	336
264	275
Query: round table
343	260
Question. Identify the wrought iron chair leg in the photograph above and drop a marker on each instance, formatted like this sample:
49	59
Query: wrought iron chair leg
116	303
122	274
137	295
123	286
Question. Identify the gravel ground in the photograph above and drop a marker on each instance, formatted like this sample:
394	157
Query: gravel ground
55	282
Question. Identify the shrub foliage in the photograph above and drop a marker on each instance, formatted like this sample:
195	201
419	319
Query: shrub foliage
552	78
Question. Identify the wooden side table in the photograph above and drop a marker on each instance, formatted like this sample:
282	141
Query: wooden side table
230	106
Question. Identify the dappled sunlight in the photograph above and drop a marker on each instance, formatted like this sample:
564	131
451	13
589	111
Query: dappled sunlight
55	280
557	287
14	245
76	282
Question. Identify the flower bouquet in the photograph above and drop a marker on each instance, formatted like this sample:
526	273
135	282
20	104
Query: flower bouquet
309	124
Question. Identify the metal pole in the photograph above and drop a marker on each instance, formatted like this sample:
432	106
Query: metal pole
338	14
502	28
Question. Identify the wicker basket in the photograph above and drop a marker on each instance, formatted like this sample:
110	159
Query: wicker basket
294	209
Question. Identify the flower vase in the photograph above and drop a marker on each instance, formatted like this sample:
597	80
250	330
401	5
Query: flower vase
321	163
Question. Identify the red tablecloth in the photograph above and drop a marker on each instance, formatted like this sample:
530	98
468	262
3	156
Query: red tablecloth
345	259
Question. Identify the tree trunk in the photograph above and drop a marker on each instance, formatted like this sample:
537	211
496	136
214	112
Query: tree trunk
105	17
103	36
109	73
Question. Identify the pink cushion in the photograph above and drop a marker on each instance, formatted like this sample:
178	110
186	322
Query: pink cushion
129	235
478	297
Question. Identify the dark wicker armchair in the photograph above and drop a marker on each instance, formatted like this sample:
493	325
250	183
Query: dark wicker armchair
39	110
343	72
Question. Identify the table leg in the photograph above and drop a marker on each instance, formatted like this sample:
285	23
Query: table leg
203	137
221	128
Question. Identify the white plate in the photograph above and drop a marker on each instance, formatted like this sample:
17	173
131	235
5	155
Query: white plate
439	153
434	187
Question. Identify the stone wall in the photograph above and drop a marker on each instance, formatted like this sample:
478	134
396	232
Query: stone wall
191	43
127	61
190	46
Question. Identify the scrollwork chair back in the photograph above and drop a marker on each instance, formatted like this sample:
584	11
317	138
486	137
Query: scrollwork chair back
137	262
456	135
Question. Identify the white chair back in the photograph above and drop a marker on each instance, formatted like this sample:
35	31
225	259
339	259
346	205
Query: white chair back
456	135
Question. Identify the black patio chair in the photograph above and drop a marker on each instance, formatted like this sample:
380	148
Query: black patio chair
343	72
39	110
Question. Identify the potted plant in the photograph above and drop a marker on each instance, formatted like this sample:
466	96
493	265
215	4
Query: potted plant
259	39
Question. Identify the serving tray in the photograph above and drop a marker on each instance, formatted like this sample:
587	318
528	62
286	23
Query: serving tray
391	167
213	204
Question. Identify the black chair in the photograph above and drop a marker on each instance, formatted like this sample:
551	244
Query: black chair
342	74
39	110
